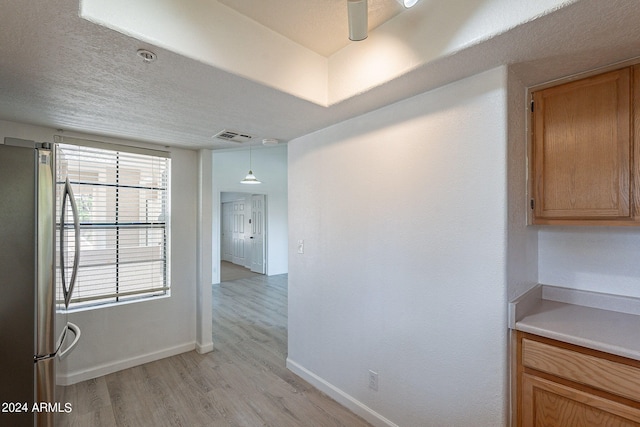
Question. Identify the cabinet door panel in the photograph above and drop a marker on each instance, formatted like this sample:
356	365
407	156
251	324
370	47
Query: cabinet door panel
596	372
582	149
548	404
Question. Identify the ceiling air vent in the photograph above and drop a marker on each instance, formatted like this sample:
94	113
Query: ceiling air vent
232	136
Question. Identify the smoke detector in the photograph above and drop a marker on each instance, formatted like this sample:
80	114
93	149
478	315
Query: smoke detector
232	136
270	141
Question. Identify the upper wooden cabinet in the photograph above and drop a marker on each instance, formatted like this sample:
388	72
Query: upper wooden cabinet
583	167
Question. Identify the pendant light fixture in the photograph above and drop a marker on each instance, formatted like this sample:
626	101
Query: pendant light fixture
358	12
250	178
408	3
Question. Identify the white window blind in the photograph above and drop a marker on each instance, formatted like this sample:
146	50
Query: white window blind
122	200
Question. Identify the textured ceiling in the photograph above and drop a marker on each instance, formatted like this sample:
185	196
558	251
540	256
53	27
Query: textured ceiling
60	71
319	25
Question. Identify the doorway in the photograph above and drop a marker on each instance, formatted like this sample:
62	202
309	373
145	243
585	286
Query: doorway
242	233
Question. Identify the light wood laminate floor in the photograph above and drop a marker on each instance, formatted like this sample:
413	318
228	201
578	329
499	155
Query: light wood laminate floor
243	382
230	271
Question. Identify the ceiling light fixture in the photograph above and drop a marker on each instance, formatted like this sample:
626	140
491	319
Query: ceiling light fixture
408	3
358	19
250	178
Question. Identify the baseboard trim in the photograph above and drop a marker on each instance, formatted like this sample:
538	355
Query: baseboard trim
339	396
108	368
204	348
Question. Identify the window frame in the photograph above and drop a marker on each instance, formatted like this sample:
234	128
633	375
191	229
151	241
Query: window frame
118	296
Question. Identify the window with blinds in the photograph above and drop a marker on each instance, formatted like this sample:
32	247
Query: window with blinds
122	200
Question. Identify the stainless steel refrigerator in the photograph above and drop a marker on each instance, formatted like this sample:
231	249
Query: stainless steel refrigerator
33	324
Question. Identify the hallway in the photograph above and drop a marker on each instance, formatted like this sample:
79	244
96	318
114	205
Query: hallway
243	382
230	272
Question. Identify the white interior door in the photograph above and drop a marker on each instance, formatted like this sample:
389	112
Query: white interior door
238	234
257	233
226	231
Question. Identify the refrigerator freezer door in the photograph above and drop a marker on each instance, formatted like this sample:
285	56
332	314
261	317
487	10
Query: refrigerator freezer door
45	285
37	184
17	279
45	371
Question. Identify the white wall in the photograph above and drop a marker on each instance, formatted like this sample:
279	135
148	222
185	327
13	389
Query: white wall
522	240
600	259
117	337
403	213
231	197
204	233
270	167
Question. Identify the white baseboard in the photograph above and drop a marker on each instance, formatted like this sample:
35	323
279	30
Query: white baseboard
204	348
109	368
339	396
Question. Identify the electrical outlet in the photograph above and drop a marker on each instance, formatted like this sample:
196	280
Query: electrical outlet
300	246
373	380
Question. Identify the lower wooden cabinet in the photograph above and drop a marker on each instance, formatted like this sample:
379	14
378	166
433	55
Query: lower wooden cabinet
562	385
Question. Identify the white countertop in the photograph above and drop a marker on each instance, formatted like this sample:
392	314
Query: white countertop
604	322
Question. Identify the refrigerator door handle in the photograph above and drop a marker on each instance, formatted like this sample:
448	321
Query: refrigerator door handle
76	332
68	291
